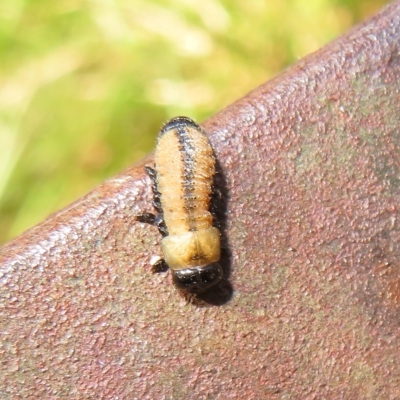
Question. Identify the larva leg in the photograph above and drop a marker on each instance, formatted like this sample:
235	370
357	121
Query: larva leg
151	172
156	220
152	219
160	224
147	218
159	266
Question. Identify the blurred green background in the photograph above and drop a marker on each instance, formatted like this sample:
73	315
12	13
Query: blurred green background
86	84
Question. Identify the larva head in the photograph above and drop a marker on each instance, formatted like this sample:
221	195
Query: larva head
197	279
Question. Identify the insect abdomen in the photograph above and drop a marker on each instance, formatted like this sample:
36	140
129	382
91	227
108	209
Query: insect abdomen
185	166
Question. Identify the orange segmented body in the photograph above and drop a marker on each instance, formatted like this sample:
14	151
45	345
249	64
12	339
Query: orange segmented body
184	172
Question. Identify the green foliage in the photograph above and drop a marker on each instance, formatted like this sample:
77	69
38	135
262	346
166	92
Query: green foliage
85	85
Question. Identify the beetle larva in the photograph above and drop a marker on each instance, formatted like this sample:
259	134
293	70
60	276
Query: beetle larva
182	186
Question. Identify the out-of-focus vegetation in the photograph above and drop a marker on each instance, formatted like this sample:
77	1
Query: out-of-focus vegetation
86	84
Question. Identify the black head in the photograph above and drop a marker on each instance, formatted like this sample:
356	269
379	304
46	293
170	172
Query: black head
197	279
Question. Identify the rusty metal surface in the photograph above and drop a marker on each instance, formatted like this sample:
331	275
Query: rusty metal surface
311	166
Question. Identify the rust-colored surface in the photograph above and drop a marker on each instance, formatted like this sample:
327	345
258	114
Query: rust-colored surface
311	165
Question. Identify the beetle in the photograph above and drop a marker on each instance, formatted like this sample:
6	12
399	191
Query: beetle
182	183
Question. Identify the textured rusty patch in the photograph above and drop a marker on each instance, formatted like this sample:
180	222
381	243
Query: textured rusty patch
311	308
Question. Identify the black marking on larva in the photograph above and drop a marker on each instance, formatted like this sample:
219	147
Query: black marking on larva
178	122
188	153
191	203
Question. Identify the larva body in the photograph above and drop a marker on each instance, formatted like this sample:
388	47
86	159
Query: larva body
184	171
